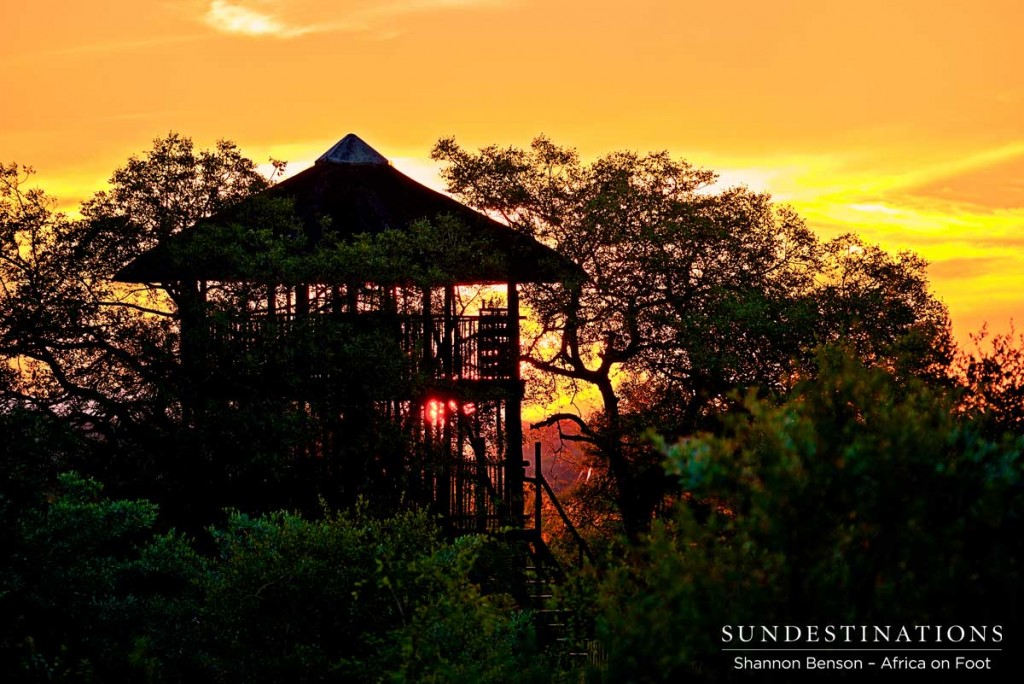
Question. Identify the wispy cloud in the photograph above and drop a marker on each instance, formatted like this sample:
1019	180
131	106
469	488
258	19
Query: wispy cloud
956	167
234	18
281	19
964	214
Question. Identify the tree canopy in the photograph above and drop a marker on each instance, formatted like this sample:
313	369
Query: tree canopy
86	346
102	356
692	292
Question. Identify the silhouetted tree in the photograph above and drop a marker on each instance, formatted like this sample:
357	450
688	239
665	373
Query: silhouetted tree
992	378
98	355
692	293
82	345
74	346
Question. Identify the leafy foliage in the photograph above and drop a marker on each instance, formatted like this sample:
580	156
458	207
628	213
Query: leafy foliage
992	376
860	500
64	584
71	346
168	189
95	595
426	253
691	294
94	352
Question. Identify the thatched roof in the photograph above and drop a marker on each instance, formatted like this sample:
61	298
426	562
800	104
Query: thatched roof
351	190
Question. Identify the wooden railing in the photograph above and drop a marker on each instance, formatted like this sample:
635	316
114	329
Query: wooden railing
442	348
475	504
542	488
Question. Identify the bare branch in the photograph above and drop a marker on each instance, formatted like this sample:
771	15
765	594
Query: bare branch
559	417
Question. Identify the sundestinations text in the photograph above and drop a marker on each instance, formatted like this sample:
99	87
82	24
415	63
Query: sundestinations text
862	634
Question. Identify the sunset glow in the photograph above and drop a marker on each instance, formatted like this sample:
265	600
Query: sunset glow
901	121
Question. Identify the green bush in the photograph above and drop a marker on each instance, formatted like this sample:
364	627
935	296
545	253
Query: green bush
341	599
69	612
95	595
860	500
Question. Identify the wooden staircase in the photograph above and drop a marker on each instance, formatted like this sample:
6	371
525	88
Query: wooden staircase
543	573
553	624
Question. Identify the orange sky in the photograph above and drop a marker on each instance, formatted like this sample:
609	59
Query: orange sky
902	120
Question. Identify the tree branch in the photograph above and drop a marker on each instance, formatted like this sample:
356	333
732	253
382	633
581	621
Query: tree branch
571	417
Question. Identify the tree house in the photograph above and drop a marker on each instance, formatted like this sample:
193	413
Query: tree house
341	293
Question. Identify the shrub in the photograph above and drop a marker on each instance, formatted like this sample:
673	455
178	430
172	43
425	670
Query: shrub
95	595
859	500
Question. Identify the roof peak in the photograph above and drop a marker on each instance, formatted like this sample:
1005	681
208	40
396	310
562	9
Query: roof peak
352	150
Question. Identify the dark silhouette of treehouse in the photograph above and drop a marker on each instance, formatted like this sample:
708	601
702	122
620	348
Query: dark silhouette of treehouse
327	294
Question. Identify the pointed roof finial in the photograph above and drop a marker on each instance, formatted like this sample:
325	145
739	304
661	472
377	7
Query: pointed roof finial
352	150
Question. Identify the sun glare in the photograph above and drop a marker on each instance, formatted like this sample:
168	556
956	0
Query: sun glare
438	413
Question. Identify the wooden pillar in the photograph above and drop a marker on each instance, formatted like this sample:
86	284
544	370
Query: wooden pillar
514	417
301	300
428	331
271	300
337	300
480	483
191	303
352	297
448	342
195	347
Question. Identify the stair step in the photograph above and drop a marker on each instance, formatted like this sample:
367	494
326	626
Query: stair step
542	576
